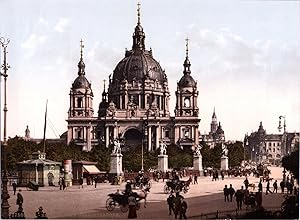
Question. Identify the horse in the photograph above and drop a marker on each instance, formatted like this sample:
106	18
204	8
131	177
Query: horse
252	185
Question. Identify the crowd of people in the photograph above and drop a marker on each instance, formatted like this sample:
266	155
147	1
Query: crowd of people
254	199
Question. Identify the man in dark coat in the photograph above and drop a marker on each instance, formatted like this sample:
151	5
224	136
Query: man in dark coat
170	201
183	208
177	204
20	199
226	194
246	182
14	185
231	192
239	197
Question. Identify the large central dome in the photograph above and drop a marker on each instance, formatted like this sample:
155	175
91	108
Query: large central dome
138	63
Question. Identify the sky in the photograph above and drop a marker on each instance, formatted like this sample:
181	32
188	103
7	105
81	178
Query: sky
245	57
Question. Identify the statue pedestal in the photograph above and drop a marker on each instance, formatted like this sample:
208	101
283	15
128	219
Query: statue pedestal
162	163
197	163
224	163
116	164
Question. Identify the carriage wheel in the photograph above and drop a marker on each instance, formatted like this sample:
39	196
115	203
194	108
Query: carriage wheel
166	189
138	206
149	184
124	208
177	188
110	204
185	189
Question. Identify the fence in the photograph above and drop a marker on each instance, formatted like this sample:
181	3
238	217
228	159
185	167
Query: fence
229	214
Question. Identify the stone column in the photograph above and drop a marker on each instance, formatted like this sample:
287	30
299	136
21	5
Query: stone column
158	136
88	138
70	134
107	136
115	131
193	132
149	138
196	135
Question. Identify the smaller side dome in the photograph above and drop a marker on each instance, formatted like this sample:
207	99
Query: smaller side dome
187	81
80	83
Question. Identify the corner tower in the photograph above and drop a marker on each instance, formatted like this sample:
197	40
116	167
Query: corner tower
186	110
80	114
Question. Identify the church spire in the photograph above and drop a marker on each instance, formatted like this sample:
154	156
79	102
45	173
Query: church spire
187	63
104	91
139	13
138	35
81	65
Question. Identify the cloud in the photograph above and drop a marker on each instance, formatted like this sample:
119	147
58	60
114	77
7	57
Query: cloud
34	41
61	25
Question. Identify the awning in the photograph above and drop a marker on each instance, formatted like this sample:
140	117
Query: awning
91	169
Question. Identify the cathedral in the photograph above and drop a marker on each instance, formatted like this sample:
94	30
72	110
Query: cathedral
135	107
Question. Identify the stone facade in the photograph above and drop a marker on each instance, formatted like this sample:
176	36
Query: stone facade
216	134
270	148
135	108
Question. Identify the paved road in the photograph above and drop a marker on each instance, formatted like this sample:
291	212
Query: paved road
204	197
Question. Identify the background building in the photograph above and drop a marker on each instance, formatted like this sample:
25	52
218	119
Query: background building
216	134
270	148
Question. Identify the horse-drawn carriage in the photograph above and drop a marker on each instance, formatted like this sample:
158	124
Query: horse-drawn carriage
141	182
177	186
121	200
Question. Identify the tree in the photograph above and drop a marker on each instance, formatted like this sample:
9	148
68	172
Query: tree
291	163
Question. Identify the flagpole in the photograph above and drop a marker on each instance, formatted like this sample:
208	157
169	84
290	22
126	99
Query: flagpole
45	125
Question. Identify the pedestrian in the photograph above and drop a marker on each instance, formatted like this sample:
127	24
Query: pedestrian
128	188
81	183
20	199
195	179
282	185
132	206
183	208
289	188
170	201
96	181
222	174
63	182
260	186
231	192
14	185
246	182
226	194
239	195
177	204
275	186
268	187
60	183
190	180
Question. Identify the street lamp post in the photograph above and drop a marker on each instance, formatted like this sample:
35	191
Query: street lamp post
144	135
283	147
252	154
246	143
5	196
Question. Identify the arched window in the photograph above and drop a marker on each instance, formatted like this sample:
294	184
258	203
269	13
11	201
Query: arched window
79	102
187	102
78	131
